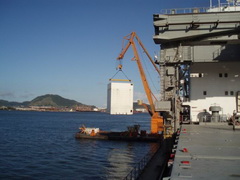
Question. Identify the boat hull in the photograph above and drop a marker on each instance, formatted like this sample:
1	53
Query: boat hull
119	136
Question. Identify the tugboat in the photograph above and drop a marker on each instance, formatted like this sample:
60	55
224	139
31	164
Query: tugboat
90	133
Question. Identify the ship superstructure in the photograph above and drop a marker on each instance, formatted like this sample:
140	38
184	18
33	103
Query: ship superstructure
199	62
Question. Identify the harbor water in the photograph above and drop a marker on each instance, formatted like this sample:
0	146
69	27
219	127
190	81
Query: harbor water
41	145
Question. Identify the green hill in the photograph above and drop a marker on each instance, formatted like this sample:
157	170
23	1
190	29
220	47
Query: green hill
9	104
53	100
46	100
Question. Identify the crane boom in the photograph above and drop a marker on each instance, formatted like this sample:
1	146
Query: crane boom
156	120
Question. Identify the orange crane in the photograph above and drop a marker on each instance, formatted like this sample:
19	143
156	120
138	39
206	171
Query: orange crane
157	124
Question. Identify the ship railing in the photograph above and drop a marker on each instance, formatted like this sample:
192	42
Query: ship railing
139	167
224	7
184	10
218	8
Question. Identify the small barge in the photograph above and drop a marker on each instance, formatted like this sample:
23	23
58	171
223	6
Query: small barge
132	134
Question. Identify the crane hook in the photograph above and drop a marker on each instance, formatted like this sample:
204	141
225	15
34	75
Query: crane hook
119	67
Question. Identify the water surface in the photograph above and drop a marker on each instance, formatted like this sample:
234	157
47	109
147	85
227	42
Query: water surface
41	145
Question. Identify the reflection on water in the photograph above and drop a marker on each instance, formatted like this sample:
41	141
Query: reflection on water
121	161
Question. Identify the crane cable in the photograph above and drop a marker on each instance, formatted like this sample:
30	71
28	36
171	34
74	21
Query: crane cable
120	70
149	76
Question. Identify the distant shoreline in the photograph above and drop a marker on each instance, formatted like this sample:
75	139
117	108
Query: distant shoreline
45	110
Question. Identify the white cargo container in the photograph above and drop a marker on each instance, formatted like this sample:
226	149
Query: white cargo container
120	98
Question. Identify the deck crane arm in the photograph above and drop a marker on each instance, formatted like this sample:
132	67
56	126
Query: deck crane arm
156	119
140	67
130	39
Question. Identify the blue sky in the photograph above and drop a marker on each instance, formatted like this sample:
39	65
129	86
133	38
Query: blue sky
69	47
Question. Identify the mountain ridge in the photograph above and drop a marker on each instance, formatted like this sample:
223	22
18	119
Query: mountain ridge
52	100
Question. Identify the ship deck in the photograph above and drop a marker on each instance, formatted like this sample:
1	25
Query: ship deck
207	151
